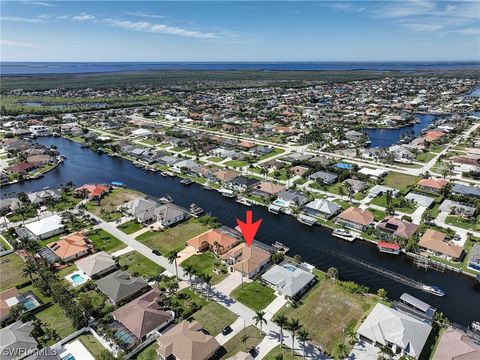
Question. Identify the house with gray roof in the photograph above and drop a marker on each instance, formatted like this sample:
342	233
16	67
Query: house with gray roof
400	332
292	157
457	208
188	165
356	185
39	197
16	341
170	214
419	199
465	190
141	209
121	286
289	279
292	197
97	265
167	160
380	190
324	177
474	259
322	208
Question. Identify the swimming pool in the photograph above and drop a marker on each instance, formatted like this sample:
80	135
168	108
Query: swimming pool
289	267
77	278
280	202
30	304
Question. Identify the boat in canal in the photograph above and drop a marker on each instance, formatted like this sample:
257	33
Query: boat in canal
186	181
227	192
307	220
388	248
166	199
164	173
244	201
344	234
195	209
435	290
207	186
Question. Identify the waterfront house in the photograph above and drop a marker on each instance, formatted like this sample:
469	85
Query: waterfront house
92	191
355	218
167	160
474	259
186	341
436	243
170	214
45	228
144	315
354	135
290	198
322	208
214	240
324	177
432	185
465	190
241	183
121	286
70	247
224	176
401	152
396	227
401	333
143	210
39	197
455	344
97	265
21	168
289	279
249	260
266	189
187	166
16	340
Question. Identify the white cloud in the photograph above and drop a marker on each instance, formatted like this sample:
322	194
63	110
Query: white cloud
145	15
21	19
422	27
39	3
83	17
146	26
19	44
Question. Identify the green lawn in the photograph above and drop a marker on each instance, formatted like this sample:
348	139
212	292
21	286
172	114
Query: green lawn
334	308
457	221
282	174
136	263
92	345
214	318
285	352
69	203
425	156
378	214
382	201
207	263
38	294
67	270
235	344
55	318
254	295
106	208
276	151
400	181
46	241
11	271
130	227
236	163
344	204
215	159
174	238
104	241
149	353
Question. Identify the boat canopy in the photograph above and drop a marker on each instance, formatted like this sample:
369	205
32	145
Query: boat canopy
384	244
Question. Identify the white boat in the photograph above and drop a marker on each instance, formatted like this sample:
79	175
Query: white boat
207	186
307	220
164	173
227	192
244	201
274	209
166	199
186	181
195	209
344	234
435	290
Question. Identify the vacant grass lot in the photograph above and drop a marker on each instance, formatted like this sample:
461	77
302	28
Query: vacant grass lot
104	241
457	221
396	203
207	263
55	318
400	181
215	159
275	152
214	318
11	271
235	344
334	308
174	238
136	263
130	227
106	208
285	352
236	163
254	295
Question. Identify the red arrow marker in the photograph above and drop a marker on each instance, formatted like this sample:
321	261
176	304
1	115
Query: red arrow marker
248	228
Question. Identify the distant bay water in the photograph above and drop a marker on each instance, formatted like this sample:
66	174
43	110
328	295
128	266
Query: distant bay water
30	68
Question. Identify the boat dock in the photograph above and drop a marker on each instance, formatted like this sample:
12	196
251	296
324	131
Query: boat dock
422	262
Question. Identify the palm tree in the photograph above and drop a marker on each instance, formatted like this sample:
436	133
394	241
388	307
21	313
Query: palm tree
294	325
303	337
172	258
29	270
207	278
332	273
342	349
189	270
244	339
282	322
260	318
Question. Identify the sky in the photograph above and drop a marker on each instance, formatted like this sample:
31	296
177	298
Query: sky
416	30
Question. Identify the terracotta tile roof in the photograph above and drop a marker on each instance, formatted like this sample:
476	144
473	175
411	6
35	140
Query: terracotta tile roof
143	314
4	295
249	259
435	241
270	187
433	135
225	175
211	237
357	216
70	245
397	226
185	341
433	183
94	190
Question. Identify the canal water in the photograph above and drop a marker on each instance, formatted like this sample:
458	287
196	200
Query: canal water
389	137
315	244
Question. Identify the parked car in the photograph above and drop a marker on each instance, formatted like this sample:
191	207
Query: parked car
254	352
227	330
156	252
